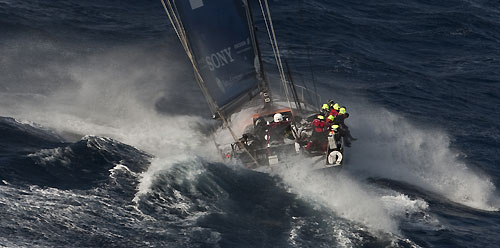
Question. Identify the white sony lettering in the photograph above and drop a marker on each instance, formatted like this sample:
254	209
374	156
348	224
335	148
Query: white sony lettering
219	59
222	58
228	52
209	63
217	65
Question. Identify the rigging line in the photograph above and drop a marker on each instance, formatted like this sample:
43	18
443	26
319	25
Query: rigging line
271	40
312	77
308	92
301	11
263	82
173	25
274	37
292	87
311	97
274	43
199	77
277	56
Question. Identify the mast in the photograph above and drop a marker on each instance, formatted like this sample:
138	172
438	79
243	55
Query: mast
265	91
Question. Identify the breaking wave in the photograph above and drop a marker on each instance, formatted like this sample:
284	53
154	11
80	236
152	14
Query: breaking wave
391	147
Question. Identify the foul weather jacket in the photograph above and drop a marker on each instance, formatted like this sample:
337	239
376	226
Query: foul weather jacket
339	120
319	125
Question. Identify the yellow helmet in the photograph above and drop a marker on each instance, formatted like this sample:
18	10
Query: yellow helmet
321	117
325	106
334	127
342	110
336	106
331	117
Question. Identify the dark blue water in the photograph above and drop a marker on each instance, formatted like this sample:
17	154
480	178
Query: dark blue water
103	133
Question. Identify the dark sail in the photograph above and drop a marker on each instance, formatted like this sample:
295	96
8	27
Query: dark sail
220	40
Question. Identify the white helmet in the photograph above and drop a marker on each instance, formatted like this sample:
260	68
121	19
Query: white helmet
278	117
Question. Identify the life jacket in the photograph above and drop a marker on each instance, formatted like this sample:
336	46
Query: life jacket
333	112
330	119
319	125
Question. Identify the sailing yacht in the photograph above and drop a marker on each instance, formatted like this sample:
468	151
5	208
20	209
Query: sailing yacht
219	37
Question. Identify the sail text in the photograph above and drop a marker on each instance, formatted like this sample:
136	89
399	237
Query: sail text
219	59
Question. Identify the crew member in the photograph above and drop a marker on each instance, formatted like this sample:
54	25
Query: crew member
340	118
344	129
260	130
319	123
318	137
330	119
325	110
279	129
334	108
336	130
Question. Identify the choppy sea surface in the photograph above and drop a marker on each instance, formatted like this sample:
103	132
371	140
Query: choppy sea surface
104	141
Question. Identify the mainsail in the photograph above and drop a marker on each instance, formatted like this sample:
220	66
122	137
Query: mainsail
223	48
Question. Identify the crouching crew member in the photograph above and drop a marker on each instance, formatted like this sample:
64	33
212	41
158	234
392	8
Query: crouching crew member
334	108
336	136
318	138
344	129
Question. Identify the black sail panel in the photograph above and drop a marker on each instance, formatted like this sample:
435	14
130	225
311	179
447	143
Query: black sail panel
219	38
